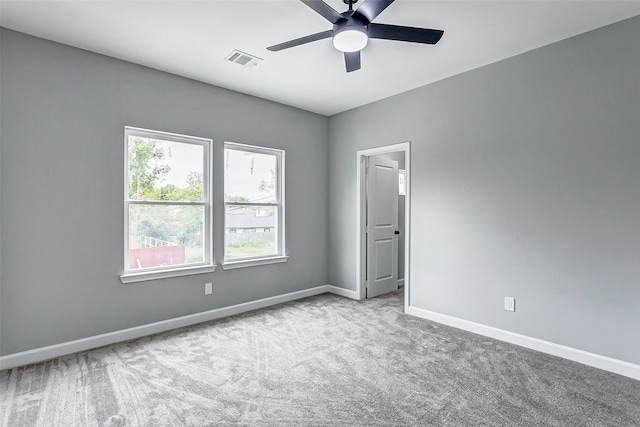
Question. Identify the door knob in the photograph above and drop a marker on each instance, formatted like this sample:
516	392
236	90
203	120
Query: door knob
397	232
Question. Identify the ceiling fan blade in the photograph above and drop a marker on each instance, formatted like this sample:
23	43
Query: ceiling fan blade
405	34
329	13
370	9
301	40
352	61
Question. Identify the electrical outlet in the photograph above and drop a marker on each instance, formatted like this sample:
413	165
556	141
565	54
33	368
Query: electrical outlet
208	288
509	304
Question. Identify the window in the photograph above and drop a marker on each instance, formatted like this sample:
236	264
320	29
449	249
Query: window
253	200
167	204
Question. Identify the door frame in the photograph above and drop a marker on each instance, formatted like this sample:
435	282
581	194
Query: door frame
360	218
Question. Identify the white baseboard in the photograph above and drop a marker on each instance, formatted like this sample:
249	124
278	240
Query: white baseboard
342	292
602	362
45	353
400	283
57	350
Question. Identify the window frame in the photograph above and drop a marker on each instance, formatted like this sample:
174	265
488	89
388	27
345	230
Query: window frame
160	272
279	205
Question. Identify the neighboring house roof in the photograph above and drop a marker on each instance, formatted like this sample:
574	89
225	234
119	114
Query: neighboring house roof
249	220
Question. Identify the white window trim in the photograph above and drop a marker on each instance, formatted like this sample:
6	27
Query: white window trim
281	256
165	274
131	276
253	262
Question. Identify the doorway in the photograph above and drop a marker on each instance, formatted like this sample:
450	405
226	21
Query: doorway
368	239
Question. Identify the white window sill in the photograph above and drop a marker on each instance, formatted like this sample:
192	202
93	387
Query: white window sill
232	265
164	274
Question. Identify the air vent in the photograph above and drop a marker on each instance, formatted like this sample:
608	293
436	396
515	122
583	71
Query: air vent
243	58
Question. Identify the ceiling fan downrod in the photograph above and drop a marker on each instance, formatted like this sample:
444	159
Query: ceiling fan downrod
350	3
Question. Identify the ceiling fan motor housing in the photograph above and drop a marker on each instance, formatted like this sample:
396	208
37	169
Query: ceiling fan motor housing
350	34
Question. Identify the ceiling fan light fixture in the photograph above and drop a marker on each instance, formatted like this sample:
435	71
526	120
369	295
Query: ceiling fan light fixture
350	38
351	29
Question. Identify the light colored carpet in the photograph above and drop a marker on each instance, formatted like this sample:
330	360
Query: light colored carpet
320	361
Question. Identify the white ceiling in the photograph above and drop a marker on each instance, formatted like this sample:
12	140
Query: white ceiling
192	38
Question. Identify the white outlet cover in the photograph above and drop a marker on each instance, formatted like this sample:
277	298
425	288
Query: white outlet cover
208	288
509	304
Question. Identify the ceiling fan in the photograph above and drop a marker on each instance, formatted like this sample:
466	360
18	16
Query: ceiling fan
352	30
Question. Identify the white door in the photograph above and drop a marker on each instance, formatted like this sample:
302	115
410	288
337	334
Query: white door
382	226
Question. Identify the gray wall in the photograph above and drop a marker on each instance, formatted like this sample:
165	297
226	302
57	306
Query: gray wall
63	114
525	178
525	183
